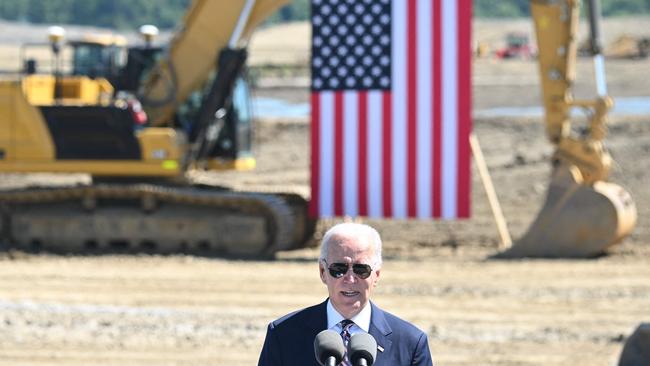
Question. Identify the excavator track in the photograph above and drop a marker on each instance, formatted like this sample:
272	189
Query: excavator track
151	218
304	225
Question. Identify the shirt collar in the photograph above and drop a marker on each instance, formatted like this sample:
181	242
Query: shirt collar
362	320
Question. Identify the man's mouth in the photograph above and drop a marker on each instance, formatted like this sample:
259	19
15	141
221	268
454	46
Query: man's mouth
349	293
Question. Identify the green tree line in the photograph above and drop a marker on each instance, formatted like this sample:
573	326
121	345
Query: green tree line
129	14
120	14
521	8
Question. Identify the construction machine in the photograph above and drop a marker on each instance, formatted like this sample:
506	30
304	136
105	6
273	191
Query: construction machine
517	46
137	120
630	47
583	214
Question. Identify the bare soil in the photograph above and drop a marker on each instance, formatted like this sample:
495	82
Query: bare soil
180	310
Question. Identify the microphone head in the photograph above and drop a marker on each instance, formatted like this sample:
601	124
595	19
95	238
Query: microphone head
362	345
327	344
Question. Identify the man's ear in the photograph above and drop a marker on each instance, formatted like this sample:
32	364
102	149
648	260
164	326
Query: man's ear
377	274
321	269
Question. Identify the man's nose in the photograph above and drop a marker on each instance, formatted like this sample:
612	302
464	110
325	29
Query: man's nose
349	275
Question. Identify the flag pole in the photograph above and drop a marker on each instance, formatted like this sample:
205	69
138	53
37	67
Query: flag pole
499	219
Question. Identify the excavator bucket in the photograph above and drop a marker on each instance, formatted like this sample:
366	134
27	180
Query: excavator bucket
577	220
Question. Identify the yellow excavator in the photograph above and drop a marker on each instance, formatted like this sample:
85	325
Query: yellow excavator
583	214
137	120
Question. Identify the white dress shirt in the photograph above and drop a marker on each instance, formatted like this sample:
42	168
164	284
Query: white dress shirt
361	320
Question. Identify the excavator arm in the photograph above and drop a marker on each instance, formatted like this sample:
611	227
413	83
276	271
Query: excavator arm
583	214
208	27
556	27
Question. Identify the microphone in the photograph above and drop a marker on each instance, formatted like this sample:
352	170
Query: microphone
329	348
362	349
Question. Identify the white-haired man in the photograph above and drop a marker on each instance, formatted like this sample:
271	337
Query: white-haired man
350	267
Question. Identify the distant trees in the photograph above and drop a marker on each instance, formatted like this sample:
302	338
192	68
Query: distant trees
123	14
501	9
102	13
296	11
625	7
519	8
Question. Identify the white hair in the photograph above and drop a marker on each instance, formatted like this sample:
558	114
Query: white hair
350	229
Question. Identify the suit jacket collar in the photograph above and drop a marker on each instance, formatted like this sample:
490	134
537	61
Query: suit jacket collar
380	330
318	318
378	321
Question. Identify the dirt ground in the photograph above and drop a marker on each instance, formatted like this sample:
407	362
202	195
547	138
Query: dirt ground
182	310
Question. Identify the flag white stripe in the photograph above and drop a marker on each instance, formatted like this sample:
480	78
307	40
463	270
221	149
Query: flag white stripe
350	152
375	151
327	154
399	117
424	113
449	108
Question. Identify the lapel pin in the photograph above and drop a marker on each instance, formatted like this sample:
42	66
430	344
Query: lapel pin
380	348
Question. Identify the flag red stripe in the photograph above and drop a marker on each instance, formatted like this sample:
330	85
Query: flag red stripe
315	157
338	153
436	180
411	101
363	154
464	106
387	171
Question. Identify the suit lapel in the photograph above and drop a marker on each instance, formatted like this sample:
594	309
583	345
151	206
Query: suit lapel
380	330
318	319
302	348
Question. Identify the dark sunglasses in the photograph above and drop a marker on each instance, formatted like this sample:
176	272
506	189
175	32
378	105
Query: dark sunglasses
338	270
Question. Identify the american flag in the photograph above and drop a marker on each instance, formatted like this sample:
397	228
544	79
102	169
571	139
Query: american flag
391	108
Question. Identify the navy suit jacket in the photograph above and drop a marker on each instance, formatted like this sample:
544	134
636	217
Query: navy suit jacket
290	339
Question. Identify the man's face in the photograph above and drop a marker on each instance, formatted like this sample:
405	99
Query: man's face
349	293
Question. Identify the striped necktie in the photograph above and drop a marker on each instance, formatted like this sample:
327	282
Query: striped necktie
346	324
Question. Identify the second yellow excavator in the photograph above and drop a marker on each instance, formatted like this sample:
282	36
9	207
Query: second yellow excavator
583	214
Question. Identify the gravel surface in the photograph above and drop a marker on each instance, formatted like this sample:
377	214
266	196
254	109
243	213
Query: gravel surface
178	310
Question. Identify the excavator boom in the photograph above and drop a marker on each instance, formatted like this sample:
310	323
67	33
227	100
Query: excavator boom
190	58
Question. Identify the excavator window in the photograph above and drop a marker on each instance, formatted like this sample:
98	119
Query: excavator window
241	101
97	60
242	118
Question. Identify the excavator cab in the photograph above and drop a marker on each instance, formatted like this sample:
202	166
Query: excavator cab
107	129
100	57
110	58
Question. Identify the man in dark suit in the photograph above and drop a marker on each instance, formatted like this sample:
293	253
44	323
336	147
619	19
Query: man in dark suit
349	265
